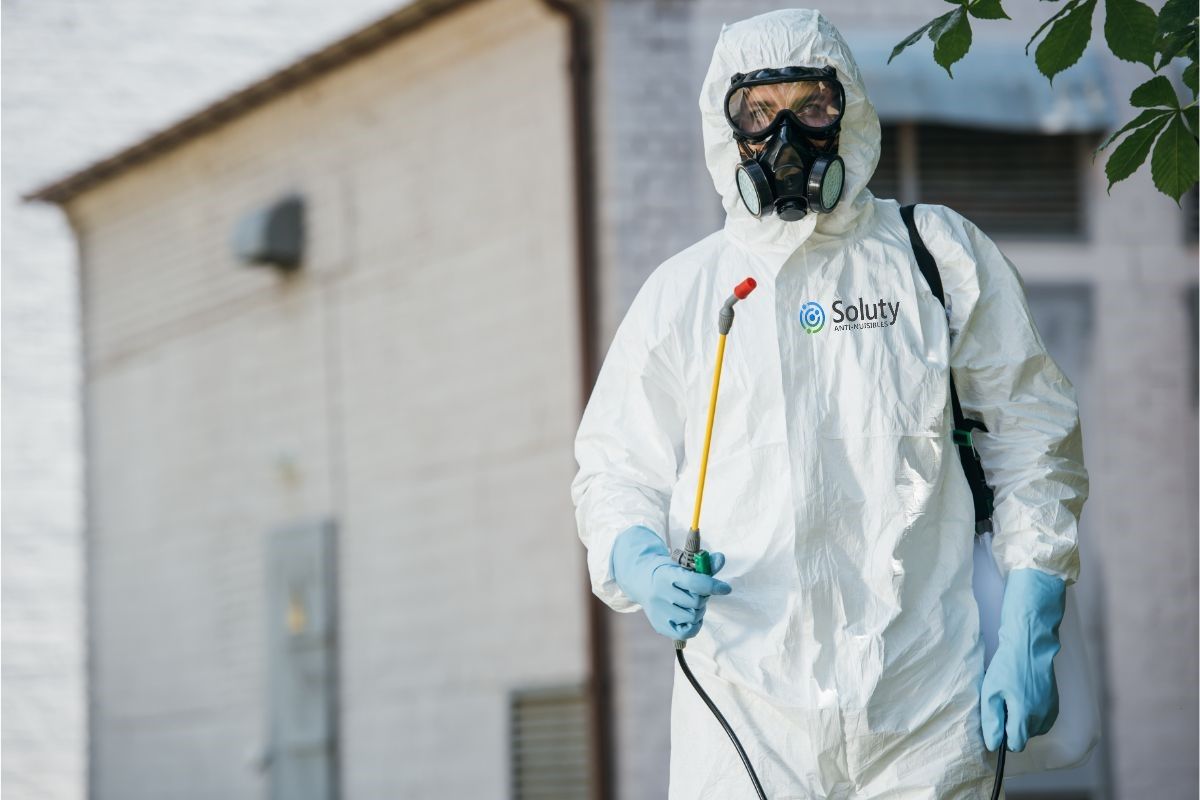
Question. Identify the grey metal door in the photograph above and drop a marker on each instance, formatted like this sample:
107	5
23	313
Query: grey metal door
301	662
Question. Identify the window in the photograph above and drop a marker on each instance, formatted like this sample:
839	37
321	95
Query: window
1006	182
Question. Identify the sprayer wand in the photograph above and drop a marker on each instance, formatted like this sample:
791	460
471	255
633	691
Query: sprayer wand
691	556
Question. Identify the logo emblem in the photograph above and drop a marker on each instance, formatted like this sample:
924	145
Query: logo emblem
812	317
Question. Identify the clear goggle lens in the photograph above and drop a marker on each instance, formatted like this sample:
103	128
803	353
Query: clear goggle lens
817	104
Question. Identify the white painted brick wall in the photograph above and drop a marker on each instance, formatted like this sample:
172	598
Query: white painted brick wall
81	79
419	376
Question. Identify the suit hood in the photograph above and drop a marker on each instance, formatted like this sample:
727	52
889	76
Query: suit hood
789	37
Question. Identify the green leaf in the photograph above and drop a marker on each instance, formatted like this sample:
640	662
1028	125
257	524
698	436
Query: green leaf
951	38
987	9
1132	152
1173	45
1189	77
1190	115
1155	92
1138	121
911	39
1064	10
1173	165
1066	40
1175	15
1129	29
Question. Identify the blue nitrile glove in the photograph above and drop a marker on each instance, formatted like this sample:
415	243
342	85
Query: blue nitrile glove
1020	678
673	598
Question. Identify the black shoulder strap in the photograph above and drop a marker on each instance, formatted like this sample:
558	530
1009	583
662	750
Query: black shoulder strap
981	493
924	258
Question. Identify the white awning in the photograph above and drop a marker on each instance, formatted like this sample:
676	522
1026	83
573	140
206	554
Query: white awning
994	86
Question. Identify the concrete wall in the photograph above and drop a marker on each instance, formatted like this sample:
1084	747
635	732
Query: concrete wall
1139	420
415	381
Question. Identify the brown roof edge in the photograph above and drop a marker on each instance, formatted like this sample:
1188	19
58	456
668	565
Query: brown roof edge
314	65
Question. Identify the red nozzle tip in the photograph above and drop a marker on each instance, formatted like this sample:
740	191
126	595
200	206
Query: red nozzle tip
743	289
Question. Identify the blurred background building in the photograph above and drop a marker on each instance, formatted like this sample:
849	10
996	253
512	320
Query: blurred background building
84	79
337	326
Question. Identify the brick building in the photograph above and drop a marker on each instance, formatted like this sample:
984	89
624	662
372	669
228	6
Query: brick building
330	542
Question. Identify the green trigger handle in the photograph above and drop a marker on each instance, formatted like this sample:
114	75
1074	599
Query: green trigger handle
693	558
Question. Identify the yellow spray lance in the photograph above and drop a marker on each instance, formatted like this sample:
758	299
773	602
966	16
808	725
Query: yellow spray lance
692	557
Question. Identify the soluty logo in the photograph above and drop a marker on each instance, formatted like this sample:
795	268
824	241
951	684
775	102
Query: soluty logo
812	317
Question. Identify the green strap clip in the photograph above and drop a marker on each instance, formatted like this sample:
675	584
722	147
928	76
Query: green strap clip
963	438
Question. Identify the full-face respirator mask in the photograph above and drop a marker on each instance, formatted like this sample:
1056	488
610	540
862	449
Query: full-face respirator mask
786	124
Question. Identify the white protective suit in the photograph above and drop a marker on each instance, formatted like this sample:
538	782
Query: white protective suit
848	656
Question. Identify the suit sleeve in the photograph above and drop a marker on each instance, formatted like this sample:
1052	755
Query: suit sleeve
630	440
1032	453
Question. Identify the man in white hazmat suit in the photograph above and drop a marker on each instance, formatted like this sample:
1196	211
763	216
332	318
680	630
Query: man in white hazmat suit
846	653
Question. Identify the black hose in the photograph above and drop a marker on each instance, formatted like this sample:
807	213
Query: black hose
741	751
1000	767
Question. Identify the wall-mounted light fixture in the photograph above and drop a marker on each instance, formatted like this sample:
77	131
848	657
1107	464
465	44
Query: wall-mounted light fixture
273	235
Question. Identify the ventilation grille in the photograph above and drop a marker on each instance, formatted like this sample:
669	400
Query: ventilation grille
1005	182
550	753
